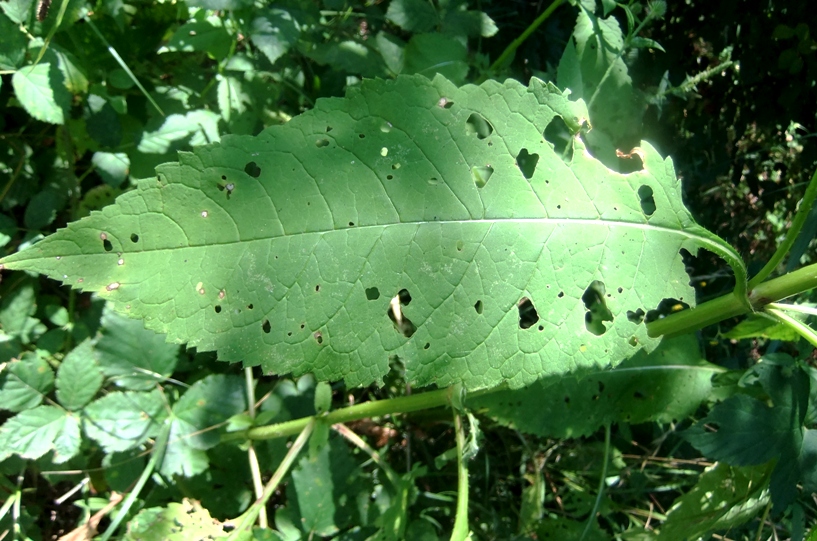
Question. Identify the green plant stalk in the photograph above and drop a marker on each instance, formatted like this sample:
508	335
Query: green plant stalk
460	531
122	63
600	493
366	410
510	49
732	305
795	308
158	452
245	521
255	469
791	235
798	326
375	457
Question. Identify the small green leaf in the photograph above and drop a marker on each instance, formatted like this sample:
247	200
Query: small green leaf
646	43
757	325
318	484
19	11
24	383
274	31
194	128
120	421
414	16
43	208
608	6
207	36
723	498
392	49
177	522
12	44
112	167
79	377
41	91
430	54
748	432
136	358
33	433
323	397
207	404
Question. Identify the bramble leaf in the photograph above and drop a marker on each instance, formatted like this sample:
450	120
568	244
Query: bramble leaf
32	433
122	420
78	378
411	218
25	382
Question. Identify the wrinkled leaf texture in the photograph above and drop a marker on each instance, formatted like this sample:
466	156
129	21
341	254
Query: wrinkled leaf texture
286	249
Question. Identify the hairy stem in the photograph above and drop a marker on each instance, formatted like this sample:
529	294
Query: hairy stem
460	532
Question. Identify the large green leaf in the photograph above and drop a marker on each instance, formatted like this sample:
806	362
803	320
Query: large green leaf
411	219
666	385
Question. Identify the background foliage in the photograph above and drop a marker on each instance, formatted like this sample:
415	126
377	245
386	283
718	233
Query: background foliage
97	95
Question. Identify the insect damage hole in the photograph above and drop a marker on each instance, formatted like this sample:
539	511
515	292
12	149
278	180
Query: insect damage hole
526	162
597	311
528	316
265	326
252	169
481	175
322	142
318	336
645	194
478	307
558	135
372	293
479	126
403	324
635	317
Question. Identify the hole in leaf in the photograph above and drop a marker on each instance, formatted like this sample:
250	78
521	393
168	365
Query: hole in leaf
630	162
318	288
395	166
328	129
558	135
427	346
372	293
665	308
318	336
621	290
250	307
217	308
351	224
635	317
460	245
647	200
107	245
362	135
477	125
541	328
633	341
134	238
597	311
561	294
389	177
528	316
481	174
445	103
527	162
403	324
478	307
265	326
252	169
322	142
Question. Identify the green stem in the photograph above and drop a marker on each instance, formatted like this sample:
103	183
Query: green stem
732	305
366	410
255	469
460	532
155	458
600	493
510	49
791	235
799	327
245	521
